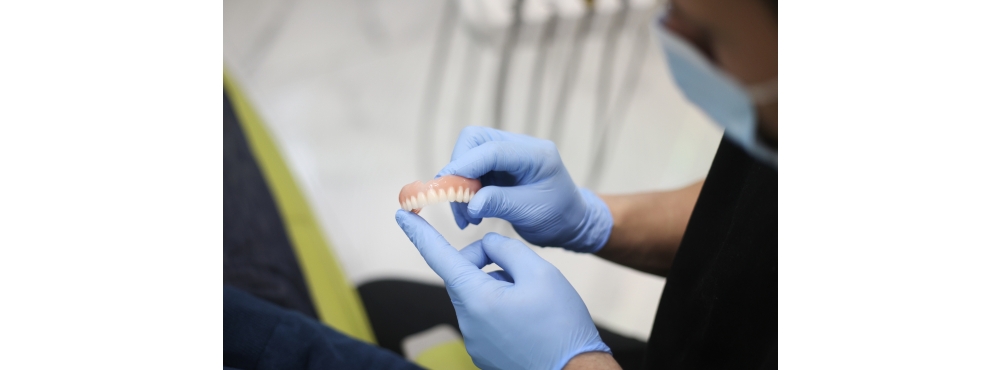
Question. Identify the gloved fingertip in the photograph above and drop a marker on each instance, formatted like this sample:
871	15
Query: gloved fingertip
487	202
492	237
475	220
444	171
458	211
405	220
475	209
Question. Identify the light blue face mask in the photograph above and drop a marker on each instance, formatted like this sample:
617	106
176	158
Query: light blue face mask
728	103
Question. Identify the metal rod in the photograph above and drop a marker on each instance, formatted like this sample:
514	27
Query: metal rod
509	44
432	90
620	108
467	85
267	37
572	65
606	69
538	75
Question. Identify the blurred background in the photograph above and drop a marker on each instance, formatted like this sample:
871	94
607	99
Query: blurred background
365	96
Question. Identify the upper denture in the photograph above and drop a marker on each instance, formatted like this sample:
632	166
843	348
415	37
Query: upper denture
417	195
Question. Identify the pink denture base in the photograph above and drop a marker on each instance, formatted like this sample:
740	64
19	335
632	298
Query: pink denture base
450	188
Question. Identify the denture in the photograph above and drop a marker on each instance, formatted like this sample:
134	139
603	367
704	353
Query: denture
417	195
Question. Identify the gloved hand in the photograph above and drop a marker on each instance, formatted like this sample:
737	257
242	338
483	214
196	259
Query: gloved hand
527	316
525	183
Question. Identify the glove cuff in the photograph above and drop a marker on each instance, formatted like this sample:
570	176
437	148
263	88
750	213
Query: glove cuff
595	228
598	346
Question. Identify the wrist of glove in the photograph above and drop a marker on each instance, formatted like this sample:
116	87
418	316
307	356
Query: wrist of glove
594	230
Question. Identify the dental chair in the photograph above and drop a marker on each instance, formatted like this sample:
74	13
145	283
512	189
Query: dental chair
276	251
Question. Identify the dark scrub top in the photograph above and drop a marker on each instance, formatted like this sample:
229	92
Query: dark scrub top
719	308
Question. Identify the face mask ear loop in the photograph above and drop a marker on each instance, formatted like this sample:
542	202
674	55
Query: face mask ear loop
763	93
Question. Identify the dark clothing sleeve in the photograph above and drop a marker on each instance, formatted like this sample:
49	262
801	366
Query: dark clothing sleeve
260	335
719	308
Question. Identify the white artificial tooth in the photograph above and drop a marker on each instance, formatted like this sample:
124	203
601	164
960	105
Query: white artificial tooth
406	205
442	195
413	202
467	197
421	200
458	194
432	196
451	194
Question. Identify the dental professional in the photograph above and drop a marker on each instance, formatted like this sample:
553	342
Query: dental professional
715	241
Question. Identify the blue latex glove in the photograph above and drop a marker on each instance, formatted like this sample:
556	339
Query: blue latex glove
527	316
525	183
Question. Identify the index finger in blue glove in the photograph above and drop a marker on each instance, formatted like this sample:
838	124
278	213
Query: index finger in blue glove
507	156
473	136
445	260
491	156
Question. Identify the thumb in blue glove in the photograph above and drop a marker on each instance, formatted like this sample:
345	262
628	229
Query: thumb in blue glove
527	316
526	184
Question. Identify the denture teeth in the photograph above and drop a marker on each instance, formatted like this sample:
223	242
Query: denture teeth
421	200
417	195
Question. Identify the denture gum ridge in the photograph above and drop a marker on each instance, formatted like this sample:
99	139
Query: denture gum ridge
417	195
